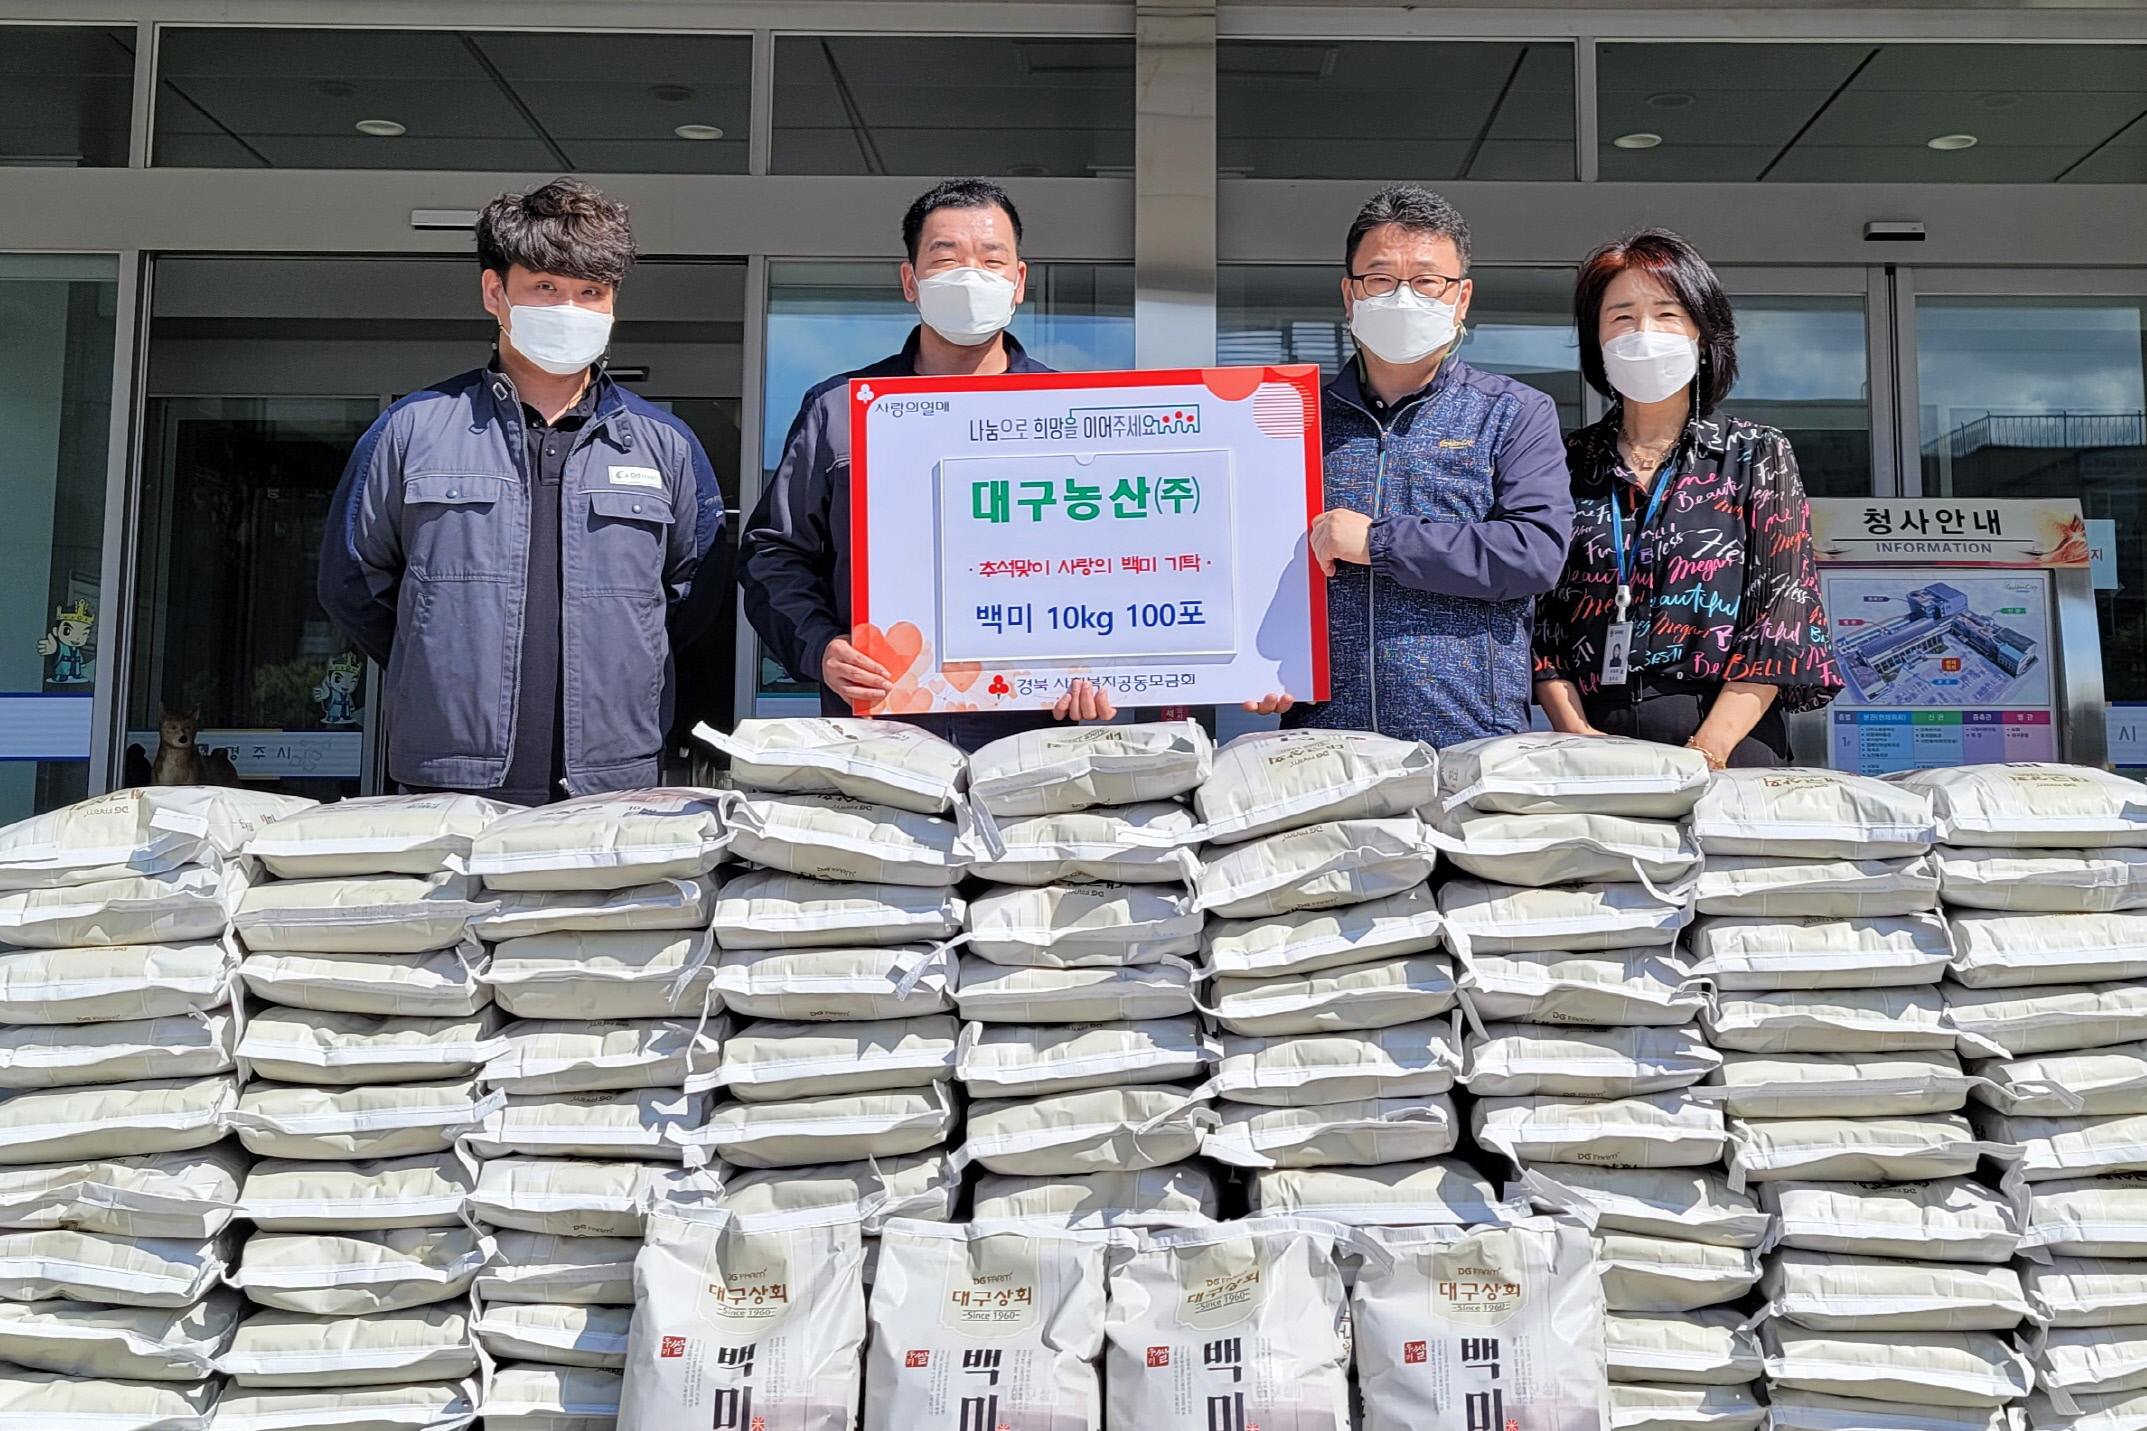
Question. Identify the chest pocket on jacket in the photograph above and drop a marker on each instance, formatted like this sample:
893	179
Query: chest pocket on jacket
1445	483
462	526
627	541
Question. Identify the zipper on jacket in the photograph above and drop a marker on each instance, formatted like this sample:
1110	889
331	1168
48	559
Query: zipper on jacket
1379	482
1371	584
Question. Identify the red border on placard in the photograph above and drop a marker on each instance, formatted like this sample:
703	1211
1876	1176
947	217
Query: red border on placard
1302	376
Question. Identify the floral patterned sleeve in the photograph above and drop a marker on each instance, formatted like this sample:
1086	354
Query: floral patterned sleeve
1781	637
1555	657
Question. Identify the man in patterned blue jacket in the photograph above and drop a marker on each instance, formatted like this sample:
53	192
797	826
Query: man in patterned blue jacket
1448	502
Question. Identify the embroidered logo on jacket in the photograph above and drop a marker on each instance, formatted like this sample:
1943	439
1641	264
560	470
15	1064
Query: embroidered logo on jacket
636	477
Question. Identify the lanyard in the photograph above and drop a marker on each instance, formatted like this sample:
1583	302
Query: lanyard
1664	476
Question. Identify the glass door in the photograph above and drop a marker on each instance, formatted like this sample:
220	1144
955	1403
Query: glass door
2044	394
56	334
1803	366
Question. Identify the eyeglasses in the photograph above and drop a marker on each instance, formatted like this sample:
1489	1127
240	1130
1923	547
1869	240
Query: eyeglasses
1433	286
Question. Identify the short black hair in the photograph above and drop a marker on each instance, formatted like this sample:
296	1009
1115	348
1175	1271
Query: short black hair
565	226
1677	265
1412	207
956	194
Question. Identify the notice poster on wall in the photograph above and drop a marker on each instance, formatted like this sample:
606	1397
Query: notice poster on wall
1145	531
1941	668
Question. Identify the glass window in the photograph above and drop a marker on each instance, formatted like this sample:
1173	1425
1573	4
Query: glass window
933	105
1801	368
235	98
830	318
56	333
2047	397
263	374
1392	109
1520	323
66	95
1899	113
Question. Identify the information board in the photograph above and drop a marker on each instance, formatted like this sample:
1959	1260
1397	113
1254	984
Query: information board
1945	629
1145	531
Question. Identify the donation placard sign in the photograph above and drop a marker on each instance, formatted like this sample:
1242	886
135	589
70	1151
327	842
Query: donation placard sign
1143	530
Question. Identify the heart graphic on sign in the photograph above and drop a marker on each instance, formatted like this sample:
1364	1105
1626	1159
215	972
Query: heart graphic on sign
962	674
896	648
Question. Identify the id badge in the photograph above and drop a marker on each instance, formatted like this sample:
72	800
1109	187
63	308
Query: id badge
1617	652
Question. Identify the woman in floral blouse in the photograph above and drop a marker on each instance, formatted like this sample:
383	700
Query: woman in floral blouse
1689	610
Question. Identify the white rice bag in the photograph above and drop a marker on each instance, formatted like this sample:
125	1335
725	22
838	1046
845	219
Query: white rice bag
738	1320
2033	804
610	841
1650	985
1270	780
834	837
1508	919
1060	768
1779	886
1107	844
884	762
1811	814
1304	941
143	830
1315	867
375	834
660	904
108	983
1103	1129
184	906
769	909
1485	1327
1659	1130
1082	925
1236	1324
1741	953
613	974
1949	1219
953	1304
862	982
1545	772
359	914
1013	994
1183	1195
1537	850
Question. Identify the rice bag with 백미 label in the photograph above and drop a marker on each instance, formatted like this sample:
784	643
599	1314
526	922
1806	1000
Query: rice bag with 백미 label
1466	1329
745	1322
1239	1324
982	1326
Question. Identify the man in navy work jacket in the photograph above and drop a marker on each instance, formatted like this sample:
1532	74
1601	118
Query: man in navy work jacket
966	277
519	545
1448	503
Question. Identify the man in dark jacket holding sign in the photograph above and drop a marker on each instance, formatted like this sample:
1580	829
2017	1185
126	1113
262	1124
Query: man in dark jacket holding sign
966	277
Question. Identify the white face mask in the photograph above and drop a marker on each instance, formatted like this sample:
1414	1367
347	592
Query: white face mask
966	306
1648	366
558	337
1402	327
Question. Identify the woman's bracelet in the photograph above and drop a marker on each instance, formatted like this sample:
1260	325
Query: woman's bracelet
1714	761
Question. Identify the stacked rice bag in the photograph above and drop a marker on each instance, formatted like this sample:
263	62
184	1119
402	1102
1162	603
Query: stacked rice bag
597	1078
1889	1290
1081	1042
119	1077
1585	1049
2042	868
840	1066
